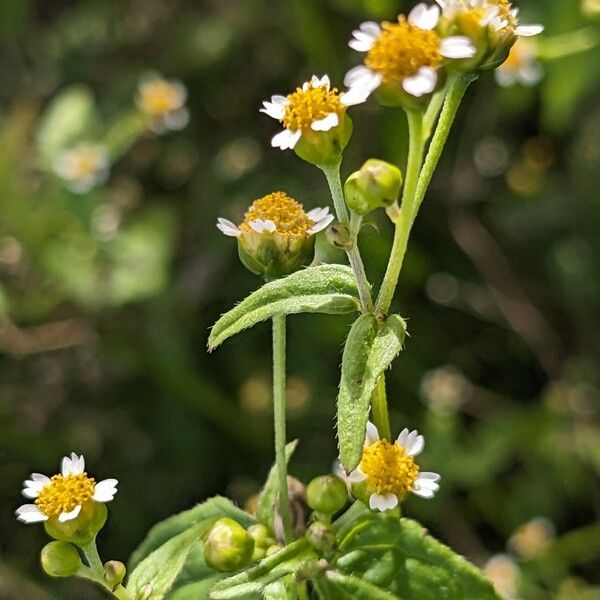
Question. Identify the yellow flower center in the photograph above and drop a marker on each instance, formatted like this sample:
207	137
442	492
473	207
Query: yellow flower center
64	493
287	214
159	97
85	164
388	468
402	49
505	8
304	107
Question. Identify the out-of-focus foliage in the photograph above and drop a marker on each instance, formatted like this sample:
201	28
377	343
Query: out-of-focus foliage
106	297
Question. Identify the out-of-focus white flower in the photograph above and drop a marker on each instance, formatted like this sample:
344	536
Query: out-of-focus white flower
504	573
445	389
315	106
406	53
83	166
61	497
389	469
163	102
521	66
532	538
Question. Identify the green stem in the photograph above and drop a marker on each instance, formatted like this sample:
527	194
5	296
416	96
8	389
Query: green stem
433	112
380	409
332	174
403	222
456	90
121	593
91	553
279	350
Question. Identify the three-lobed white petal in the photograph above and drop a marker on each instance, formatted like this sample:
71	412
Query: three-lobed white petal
30	513
73	465
421	83
457	46
262	225
383	502
371	434
105	490
424	17
326	123
286	139
411	441
322	224
69	516
228	228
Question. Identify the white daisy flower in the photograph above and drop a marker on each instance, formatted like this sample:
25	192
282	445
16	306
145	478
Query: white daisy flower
521	66
407	53
163	103
61	497
313	107
389	469
497	14
83	166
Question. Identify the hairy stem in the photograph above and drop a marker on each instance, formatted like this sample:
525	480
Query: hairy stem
403	222
279	350
380	409
456	90
91	553
332	174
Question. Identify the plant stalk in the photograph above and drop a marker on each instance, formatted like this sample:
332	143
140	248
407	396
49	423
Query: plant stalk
332	174
279	355
379	408
404	220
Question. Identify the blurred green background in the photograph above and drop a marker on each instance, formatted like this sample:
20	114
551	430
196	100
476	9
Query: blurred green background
106	298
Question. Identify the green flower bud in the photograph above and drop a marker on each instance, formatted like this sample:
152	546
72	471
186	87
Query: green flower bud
377	184
326	494
276	237
261	534
321	536
114	573
60	559
82	529
325	147
228	546
339	236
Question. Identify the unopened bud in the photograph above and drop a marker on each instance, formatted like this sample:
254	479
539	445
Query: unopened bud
114	573
60	559
321	536
339	236
228	546
261	534
377	184
327	494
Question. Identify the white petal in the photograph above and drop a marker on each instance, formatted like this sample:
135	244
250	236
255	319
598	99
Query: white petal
40	477
326	123
504	77
275	111
361	81
457	46
286	139
31	492
261	225
322	224
383	502
371	434
69	516
228	228
491	13
324	82
424	17
356	476
316	214
422	83
30	513
370	28
430	475
177	119
423	493
73	465
528	30
357	74
105	490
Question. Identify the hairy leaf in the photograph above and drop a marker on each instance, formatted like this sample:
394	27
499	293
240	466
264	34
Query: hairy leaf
400	558
265	507
329	289
194	591
159	570
370	349
214	508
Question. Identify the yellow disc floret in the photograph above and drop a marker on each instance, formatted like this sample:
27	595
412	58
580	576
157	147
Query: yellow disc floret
287	214
505	12
305	106
402	49
64	493
159	97
389	470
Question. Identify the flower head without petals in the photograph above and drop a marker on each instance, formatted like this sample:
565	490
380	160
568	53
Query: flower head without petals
162	101
62	497
83	166
390	472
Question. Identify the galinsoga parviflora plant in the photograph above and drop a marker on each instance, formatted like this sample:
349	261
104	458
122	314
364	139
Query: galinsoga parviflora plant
354	544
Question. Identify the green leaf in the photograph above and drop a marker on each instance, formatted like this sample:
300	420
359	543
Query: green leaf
68	119
359	588
329	289
400	558
160	569
194	591
265	507
369	350
214	508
